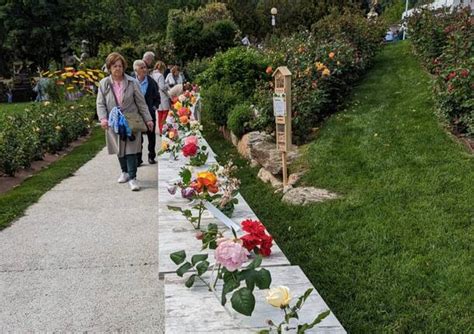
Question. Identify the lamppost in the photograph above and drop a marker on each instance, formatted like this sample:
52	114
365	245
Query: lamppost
404	25
274	12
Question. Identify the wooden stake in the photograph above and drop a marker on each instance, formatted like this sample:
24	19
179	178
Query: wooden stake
285	172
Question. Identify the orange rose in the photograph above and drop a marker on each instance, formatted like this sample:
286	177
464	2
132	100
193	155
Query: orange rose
196	186
170	113
183	111
208	180
332	55
269	70
184	119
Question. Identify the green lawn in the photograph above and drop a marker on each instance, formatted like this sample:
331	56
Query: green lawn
13	107
395	254
14	202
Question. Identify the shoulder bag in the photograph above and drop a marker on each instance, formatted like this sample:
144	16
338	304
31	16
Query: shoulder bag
134	120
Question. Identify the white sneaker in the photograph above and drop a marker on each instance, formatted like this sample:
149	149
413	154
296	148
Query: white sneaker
123	178
134	185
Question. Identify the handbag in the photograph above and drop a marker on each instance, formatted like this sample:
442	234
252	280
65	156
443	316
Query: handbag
134	120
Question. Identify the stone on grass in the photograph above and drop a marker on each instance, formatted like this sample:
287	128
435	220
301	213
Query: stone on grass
268	177
295	177
307	195
259	147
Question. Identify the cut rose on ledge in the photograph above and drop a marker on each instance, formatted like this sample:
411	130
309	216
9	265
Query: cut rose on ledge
231	254
257	239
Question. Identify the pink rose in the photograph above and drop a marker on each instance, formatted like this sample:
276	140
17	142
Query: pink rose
231	255
191	140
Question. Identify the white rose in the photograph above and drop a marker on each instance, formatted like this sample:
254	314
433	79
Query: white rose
279	296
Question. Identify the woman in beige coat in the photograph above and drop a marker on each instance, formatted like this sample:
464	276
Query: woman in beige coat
130	100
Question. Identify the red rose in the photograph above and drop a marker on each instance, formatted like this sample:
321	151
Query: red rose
190	150
253	227
464	73
250	241
451	75
265	251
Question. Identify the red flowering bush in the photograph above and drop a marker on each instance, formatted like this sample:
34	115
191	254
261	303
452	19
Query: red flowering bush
256	239
445	43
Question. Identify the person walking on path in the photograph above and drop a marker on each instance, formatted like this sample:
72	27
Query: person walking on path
174	77
123	91
163	109
149	89
149	59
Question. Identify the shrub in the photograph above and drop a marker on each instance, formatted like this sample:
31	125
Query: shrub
322	74
42	127
239	120
352	27
218	101
19	143
196	34
445	43
196	67
240	67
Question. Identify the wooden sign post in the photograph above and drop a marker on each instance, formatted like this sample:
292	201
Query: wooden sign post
282	113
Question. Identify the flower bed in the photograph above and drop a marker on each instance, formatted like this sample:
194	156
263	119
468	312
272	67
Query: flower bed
42	127
444	41
325	63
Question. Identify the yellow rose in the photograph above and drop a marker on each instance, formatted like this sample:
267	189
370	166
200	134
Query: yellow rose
319	66
164	146
178	105
326	72
279	296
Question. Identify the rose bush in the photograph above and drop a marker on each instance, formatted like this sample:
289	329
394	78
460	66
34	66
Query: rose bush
42	128
444	41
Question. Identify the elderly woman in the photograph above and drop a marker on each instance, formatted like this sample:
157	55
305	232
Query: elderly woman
121	90
158	76
149	89
174	77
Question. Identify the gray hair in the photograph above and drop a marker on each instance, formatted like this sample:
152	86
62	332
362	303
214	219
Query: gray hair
137	63
149	54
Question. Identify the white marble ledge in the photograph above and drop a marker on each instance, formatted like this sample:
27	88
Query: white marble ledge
183	237
196	310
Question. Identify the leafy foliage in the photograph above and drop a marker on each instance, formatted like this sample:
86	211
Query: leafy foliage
445	42
197	34
40	128
219	101
239	119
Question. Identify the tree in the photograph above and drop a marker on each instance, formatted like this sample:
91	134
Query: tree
34	30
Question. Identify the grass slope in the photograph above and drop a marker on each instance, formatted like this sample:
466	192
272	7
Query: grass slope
14	202
395	254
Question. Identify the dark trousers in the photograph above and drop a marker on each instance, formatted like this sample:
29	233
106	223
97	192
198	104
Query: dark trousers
151	145
128	163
